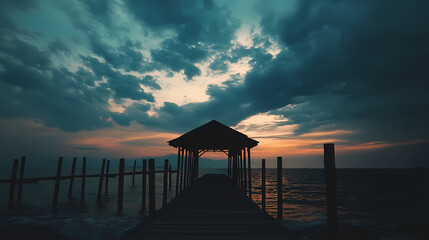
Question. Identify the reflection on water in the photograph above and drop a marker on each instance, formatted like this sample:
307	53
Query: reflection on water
386	202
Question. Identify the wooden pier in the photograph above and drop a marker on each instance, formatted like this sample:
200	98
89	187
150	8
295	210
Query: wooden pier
210	208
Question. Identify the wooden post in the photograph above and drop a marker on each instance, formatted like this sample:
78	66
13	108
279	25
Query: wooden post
178	171
121	185
169	177
134	172
72	177
263	187
143	208
21	180
331	190
185	171
250	173
106	188
244	170
151	187
279	189
100	182
12	183
234	169
181	169
229	167
57	183
240	159
198	167
82	190
164	189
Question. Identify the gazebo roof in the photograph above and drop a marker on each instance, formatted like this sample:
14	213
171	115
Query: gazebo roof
213	136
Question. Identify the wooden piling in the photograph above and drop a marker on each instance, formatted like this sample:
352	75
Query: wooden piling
143	208
178	171
181	169
229	167
279	189
121	185
100	182
134	173
331	191
72	177
244	170
21	177
185	171
151	187
164	189
240	159
250	173
57	184
169	177
263	186
106	188
12	183
82	189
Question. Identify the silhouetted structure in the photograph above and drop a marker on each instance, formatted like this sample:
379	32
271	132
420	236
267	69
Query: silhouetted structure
213	137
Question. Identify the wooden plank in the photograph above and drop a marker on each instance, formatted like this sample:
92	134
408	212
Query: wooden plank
210	208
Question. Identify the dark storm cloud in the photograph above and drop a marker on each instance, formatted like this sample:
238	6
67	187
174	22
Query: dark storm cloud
359	65
123	85
201	26
127	56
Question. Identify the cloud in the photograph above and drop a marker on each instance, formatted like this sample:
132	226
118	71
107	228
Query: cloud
199	27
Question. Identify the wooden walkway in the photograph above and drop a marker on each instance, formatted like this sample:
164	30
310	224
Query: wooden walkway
210	208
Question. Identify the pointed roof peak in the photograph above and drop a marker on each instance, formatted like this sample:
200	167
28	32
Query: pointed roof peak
213	136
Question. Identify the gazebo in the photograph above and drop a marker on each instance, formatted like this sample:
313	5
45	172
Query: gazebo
213	137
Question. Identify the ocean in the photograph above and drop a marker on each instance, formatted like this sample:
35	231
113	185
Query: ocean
372	204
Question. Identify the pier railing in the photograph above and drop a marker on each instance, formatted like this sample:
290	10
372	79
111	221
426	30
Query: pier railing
239	173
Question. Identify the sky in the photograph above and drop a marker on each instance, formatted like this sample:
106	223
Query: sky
119	78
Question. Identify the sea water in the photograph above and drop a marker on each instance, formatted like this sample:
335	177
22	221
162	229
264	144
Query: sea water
372	203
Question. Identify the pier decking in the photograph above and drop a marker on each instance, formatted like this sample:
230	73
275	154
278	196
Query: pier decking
210	208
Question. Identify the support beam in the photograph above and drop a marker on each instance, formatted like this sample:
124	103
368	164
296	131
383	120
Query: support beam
100	182
263	186
144	173
72	177
178	171
250	173
21	177
57	183
12	183
106	188
279	189
164	187
151	187
331	190
82	189
121	186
